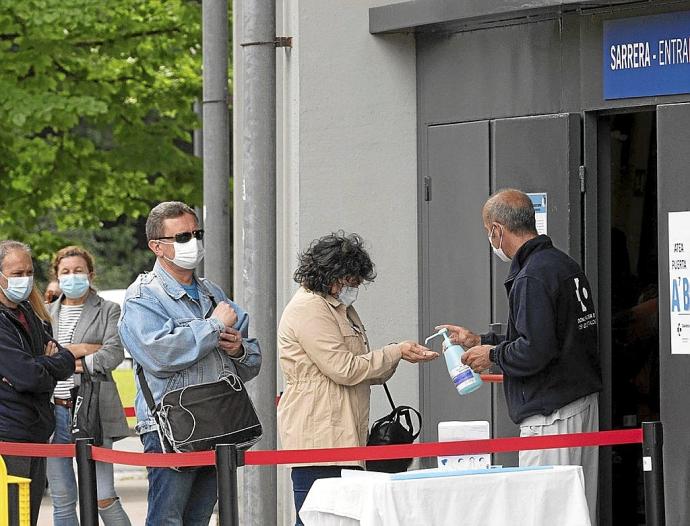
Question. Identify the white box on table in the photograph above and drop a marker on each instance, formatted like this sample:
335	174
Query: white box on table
472	430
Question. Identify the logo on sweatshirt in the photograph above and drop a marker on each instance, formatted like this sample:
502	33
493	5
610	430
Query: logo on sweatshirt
581	292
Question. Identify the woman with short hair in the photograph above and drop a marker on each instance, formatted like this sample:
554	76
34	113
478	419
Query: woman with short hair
325	357
85	322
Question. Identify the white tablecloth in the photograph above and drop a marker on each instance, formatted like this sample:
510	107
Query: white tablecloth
549	497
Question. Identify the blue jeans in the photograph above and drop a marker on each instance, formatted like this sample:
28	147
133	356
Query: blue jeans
63	484
303	479
178	498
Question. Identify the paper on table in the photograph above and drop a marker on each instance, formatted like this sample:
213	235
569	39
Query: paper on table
439	473
358	473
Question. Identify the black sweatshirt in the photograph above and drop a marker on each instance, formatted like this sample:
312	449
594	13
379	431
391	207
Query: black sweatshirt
28	377
549	356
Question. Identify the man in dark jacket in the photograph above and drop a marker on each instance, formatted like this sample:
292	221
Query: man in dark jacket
549	355
30	366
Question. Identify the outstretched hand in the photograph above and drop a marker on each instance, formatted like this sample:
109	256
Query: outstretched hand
413	352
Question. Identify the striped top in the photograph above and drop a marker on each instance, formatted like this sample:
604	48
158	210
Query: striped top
67	321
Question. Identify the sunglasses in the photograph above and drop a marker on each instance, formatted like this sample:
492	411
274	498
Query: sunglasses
183	237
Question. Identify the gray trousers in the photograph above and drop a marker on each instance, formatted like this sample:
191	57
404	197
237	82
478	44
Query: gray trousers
580	416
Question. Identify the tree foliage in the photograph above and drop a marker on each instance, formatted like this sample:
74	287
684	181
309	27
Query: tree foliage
96	112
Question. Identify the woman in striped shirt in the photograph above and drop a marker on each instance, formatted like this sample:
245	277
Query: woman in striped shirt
84	322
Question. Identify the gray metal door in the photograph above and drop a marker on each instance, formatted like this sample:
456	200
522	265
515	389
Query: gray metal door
455	266
673	191
535	154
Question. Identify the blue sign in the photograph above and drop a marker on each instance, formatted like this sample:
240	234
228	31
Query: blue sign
647	56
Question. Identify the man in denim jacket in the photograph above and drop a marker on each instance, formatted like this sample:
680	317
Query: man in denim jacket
182	330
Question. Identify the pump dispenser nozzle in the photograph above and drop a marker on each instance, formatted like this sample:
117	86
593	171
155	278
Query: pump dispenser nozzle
442	332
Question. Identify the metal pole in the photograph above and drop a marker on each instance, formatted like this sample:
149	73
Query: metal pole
228	459
197	144
653	468
216	143
254	112
86	475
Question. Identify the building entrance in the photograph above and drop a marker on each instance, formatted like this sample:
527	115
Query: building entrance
630	340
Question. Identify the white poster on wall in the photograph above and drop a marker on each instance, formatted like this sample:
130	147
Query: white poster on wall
679	280
539	203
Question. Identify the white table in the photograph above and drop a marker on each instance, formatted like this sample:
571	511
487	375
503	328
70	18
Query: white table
547	497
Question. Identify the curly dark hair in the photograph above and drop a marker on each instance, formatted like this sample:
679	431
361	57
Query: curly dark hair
332	258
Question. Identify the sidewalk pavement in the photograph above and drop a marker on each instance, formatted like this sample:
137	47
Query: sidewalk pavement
131	486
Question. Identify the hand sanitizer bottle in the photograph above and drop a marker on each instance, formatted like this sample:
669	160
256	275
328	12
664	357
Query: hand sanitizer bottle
464	378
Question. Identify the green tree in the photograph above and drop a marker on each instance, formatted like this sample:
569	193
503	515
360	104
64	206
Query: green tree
96	110
119	254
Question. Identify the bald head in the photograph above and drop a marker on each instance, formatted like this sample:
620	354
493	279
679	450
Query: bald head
513	209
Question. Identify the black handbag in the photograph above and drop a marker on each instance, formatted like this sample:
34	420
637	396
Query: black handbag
392	430
86	416
199	417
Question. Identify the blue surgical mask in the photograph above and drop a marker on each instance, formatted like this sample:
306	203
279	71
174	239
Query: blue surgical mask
18	288
348	295
74	286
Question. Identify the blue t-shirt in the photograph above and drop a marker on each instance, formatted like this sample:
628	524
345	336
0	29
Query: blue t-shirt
192	290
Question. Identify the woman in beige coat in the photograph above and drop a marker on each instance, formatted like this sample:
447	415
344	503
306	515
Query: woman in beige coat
325	357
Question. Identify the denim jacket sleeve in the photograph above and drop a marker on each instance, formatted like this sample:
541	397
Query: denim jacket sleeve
249	364
163	345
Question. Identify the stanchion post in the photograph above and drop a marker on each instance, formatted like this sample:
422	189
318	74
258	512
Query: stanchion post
653	469
86	473
228	459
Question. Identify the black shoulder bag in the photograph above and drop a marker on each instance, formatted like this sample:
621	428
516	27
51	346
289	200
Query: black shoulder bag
391	430
86	416
199	417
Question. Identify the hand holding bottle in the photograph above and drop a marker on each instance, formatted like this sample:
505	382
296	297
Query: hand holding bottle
478	358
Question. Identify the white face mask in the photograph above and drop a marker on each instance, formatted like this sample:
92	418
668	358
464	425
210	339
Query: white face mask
188	255
499	251
18	288
348	295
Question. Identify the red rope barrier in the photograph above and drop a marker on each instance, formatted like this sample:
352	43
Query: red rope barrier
26	449
434	449
154	460
342	454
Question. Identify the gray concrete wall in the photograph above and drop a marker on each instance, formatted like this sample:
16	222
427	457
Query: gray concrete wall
549	65
347	160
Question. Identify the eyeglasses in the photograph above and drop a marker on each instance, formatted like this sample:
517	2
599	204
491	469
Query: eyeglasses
183	237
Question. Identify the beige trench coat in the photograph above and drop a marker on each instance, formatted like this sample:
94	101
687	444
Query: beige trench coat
328	368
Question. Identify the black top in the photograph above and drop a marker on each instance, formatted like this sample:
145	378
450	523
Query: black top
549	356
28	377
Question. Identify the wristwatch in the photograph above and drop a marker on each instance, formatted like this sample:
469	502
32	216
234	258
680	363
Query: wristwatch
492	355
